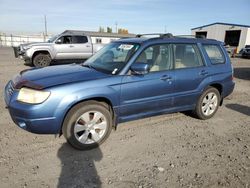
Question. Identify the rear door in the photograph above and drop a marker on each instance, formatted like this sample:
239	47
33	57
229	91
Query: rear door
190	71
82	46
151	92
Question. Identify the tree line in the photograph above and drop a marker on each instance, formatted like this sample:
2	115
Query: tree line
109	30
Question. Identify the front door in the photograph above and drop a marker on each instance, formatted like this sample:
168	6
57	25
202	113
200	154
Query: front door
152	92
64	48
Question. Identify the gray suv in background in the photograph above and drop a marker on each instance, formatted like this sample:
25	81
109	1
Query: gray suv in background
69	45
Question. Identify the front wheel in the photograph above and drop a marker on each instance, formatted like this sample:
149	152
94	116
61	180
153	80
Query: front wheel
41	60
208	103
87	125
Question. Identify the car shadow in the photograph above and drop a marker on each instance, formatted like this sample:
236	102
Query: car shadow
242	73
239	108
78	168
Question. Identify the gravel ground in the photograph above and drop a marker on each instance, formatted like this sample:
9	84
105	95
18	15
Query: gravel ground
173	150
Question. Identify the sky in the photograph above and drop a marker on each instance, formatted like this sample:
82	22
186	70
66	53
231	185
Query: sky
138	16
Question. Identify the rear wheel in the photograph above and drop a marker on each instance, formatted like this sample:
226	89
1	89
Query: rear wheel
208	103
87	125
41	60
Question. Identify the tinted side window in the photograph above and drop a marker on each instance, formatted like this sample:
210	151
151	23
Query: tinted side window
158	57
214	53
79	39
65	40
187	56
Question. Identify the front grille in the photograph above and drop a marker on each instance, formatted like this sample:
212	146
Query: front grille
17	51
10	89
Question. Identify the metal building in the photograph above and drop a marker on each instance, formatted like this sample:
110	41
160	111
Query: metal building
234	35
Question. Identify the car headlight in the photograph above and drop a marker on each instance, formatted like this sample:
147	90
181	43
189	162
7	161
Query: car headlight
32	96
26	47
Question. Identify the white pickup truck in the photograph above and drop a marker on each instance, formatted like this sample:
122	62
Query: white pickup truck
69	45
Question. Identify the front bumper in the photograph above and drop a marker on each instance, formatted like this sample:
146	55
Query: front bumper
38	119
21	54
39	126
18	52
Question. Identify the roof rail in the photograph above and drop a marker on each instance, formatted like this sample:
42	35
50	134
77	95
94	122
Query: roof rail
147	34
161	35
191	36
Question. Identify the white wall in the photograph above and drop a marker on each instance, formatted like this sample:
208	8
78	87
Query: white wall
13	40
248	37
105	40
218	32
8	40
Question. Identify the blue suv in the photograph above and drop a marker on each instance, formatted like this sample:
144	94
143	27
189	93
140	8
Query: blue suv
126	80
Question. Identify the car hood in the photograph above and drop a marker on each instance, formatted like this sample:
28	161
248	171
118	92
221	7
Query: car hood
35	44
40	78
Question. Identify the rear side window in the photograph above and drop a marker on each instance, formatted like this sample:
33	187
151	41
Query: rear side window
79	39
214	53
187	56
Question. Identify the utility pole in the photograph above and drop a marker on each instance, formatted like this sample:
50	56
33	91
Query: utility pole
45	25
116	24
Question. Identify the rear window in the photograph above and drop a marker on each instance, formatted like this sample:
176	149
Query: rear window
79	39
214	53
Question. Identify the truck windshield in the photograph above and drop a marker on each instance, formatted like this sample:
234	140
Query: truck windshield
52	39
112	58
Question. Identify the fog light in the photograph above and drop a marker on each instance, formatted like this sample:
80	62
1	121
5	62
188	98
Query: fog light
22	125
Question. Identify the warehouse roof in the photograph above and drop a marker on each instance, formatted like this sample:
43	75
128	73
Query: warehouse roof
220	23
97	34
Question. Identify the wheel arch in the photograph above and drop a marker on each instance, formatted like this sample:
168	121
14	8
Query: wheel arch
40	52
100	100
219	87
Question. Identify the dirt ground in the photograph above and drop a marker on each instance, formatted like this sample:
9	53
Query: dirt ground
172	150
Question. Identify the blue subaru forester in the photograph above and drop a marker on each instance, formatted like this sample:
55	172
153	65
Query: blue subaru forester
126	80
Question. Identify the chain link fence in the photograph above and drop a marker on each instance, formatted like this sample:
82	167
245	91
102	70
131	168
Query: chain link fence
16	40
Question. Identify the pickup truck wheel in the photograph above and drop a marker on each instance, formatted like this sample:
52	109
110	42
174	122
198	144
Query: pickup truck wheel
208	103
87	125
41	60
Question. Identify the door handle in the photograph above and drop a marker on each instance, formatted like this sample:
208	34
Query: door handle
71	46
203	73
87	46
166	77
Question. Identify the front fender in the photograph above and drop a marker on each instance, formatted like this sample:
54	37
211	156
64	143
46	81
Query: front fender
109	93
30	52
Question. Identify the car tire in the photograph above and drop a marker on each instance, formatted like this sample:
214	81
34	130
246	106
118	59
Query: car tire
41	60
87	125
208	103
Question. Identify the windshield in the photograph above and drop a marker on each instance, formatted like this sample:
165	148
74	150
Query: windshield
52	39
112	58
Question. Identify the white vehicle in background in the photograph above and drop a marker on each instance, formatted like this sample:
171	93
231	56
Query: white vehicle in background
69	45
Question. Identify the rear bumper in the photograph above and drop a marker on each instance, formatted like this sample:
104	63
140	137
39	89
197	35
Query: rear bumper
228	89
246	54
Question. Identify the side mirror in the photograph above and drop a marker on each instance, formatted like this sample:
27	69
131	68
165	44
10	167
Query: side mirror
140	68
59	41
